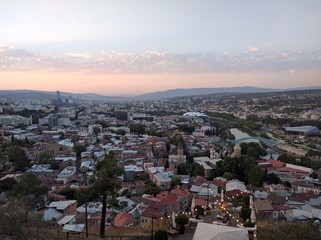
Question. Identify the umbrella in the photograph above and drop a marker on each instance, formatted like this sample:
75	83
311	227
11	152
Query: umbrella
173	219
222	195
251	201
253	217
193	206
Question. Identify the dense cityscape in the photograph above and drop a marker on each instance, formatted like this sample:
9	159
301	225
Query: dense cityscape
246	163
160	120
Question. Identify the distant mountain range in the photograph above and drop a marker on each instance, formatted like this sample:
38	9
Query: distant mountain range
161	95
38	95
200	91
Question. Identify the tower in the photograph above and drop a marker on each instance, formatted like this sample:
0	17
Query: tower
237	151
180	154
212	153
172	166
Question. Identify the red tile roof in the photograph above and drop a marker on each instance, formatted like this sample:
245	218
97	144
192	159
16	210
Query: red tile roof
287	169
57	197
281	207
219	183
276	163
170	198
200	202
179	192
233	192
154	211
276	200
199	180
123	219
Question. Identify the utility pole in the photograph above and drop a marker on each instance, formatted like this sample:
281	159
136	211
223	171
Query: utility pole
152	233
207	197
86	213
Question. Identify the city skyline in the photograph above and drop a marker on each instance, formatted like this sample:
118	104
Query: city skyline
125	47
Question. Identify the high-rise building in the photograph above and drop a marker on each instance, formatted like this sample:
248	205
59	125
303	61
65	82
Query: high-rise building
59	99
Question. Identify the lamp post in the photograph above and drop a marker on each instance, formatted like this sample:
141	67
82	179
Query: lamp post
152	232
208	195
208	192
86	213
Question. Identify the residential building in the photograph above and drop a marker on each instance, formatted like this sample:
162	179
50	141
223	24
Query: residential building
263	209
282	211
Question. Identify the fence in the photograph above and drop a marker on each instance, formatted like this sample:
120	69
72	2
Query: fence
59	234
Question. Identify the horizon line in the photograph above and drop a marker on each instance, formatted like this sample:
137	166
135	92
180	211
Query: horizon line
170	89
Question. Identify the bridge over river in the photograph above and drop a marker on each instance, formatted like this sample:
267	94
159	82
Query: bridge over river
268	142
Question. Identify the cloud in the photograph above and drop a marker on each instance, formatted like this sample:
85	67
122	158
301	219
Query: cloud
152	61
253	49
84	55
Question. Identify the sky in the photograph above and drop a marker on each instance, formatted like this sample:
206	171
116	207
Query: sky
126	47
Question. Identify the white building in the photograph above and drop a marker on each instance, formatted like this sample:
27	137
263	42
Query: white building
66	174
14	120
235	185
282	210
160	177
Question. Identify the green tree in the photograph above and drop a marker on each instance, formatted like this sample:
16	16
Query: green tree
264	135
78	148
181	220
199	210
238	167
186	128
272	178
228	175
121	132
241	200
182	169
106	182
17	222
7	184
152	189
288	231
252	149
176	181
246	213
54	165
45	157
68	192
161	235
30	190
144	177
256	176
287	159
96	131
137	128
17	157
75	138
178	140
197	169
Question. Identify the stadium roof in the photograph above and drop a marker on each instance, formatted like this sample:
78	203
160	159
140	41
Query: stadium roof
306	130
194	114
